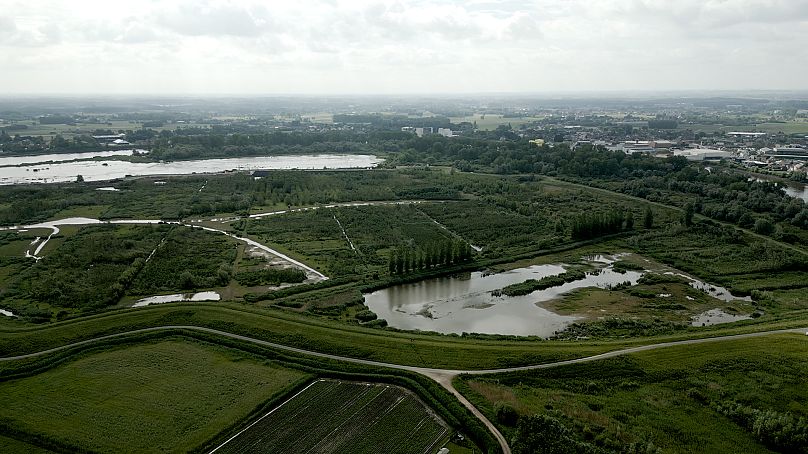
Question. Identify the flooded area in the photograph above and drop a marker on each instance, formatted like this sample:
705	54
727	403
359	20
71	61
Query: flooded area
713	290
110	170
178	297
62	157
465	303
716	317
472	302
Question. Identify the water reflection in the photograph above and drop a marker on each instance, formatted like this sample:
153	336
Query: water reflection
464	303
178	297
792	188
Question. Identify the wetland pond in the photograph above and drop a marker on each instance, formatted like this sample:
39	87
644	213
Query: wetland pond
465	303
470	303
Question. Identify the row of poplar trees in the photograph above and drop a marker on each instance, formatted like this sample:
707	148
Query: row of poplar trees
593	225
407	260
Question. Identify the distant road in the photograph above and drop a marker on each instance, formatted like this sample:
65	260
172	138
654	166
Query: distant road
443	376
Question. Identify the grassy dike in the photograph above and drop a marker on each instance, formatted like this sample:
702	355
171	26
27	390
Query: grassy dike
326	336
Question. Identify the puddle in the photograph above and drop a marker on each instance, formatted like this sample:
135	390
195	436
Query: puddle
178	297
716	317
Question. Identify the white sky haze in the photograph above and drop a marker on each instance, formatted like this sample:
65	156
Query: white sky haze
399	47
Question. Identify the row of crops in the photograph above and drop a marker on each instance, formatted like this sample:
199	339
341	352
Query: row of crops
331	416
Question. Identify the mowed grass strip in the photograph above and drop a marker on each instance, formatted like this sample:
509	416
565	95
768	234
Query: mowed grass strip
169	396
337	417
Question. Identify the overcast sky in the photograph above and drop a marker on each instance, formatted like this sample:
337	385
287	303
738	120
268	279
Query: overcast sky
391	47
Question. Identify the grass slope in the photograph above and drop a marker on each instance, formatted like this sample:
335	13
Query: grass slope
170	396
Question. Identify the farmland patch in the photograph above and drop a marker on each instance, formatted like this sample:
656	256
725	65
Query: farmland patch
331	416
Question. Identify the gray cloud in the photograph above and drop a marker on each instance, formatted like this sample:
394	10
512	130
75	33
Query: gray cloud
411	46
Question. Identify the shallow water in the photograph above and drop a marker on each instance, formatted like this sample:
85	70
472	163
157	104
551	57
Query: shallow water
715	291
109	170
792	188
464	303
716	317
178	297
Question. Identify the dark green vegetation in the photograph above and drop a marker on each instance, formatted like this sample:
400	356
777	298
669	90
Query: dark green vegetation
270	276
370	246
178	392
345	417
720	254
187	259
94	267
531	285
446	253
373	231
89	270
735	396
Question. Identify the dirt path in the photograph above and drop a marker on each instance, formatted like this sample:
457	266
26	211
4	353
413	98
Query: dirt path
443	377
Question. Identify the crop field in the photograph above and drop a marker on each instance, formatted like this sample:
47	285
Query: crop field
344	417
170	396
737	396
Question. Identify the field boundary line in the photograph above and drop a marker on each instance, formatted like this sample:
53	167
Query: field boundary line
264	416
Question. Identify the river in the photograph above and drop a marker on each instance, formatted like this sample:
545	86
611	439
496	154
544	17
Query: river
110	170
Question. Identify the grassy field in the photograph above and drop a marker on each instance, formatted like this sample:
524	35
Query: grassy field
344	417
180	393
490	122
8	444
680	400
67	131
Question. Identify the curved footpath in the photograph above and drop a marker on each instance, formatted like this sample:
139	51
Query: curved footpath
443	376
